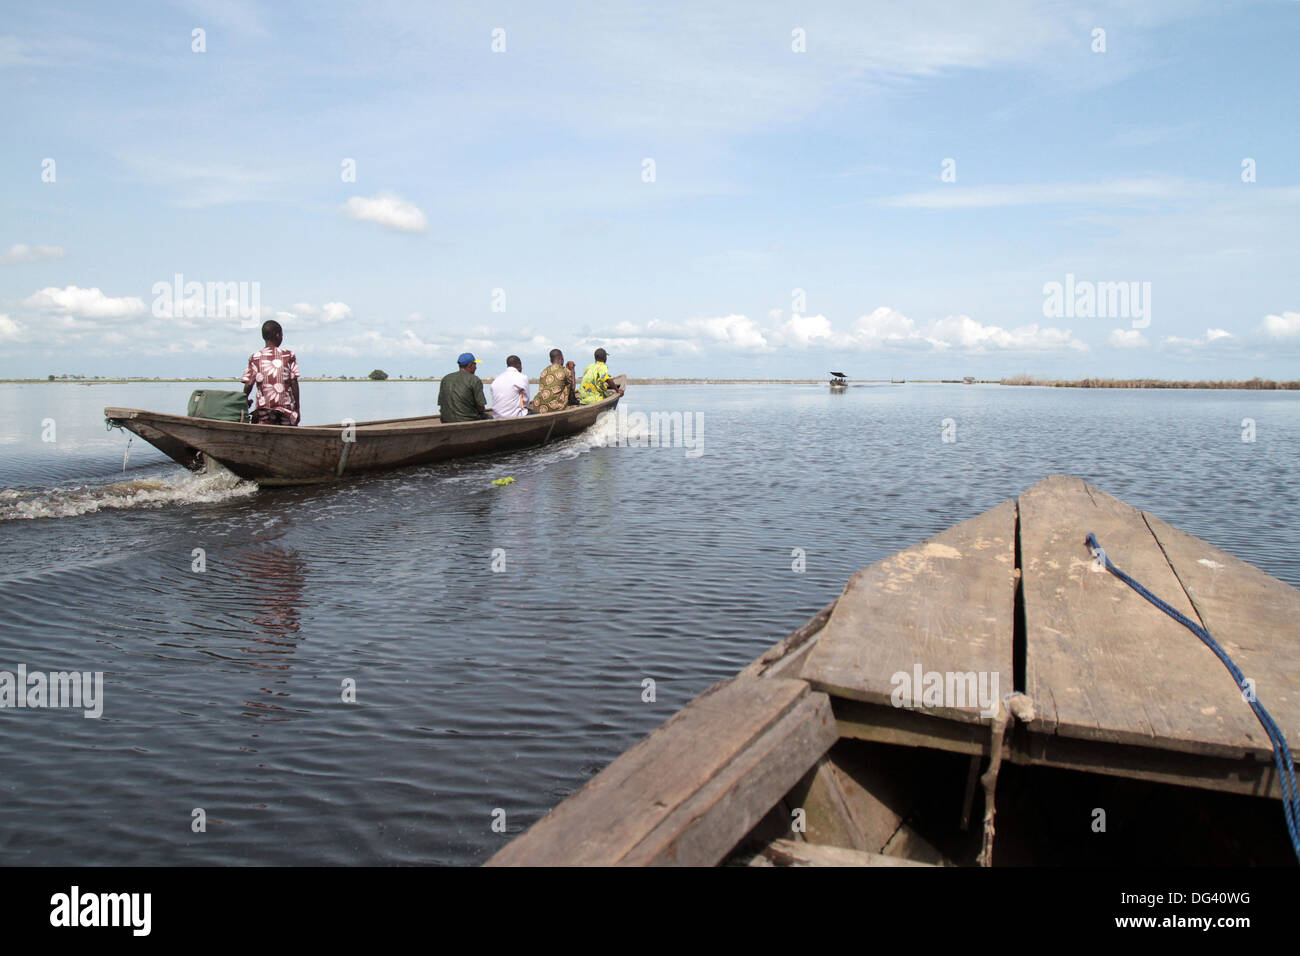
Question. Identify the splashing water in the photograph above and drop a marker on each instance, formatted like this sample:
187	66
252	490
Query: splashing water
212	485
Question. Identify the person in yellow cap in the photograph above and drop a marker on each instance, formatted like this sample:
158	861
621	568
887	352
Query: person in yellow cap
597	384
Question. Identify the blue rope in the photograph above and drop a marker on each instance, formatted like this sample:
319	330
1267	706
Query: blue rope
1281	752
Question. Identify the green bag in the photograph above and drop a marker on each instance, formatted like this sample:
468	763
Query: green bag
223	406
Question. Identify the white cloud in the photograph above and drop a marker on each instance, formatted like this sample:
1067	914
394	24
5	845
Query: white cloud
304	309
335	312
10	331
387	209
84	303
1284	326
20	252
1211	335
1126	339
883	328
737	333
801	331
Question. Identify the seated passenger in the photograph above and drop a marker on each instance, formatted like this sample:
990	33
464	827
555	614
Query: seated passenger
554	386
460	394
510	391
275	373
597	384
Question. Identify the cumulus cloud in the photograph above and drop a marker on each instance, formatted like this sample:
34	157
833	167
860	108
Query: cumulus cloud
20	252
389	210
737	333
1284	326
802	331
335	312
1211	335
885	328
1126	339
10	331
84	303
889	328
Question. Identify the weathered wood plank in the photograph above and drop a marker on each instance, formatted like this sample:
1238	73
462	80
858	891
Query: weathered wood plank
1252	775
783	658
826	813
946	605
908	728
790	853
625	802
705	827
1254	617
1101	662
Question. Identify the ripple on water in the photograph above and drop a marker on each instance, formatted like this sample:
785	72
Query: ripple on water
227	688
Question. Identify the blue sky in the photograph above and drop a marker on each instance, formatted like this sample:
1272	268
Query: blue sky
501	201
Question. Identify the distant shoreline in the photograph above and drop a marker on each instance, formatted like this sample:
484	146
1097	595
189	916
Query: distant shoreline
1254	384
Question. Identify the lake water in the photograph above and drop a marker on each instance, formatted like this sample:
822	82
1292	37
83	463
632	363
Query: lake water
477	690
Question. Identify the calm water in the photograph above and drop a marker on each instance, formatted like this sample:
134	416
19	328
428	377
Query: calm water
478	690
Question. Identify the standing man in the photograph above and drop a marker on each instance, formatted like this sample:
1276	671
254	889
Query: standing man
597	384
510	391
460	394
554	386
275	373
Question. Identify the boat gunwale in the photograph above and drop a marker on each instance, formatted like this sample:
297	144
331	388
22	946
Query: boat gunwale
387	425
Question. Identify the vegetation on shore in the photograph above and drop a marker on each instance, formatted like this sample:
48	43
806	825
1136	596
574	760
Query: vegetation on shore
1254	384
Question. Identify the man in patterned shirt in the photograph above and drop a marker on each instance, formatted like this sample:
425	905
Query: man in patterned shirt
275	373
554	386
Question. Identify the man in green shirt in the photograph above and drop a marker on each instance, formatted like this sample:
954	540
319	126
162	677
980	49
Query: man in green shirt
597	384
460	395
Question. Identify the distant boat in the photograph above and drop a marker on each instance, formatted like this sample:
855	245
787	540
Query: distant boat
838	380
303	455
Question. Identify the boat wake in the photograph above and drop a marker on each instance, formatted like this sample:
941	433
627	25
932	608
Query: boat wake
212	485
603	433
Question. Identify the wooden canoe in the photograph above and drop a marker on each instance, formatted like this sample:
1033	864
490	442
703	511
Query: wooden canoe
1120	739
301	455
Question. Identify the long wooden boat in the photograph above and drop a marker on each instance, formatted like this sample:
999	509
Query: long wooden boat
1115	735
299	455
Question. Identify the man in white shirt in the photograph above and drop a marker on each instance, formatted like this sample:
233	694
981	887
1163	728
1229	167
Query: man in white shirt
510	391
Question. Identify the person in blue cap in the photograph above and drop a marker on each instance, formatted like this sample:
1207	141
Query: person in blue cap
460	395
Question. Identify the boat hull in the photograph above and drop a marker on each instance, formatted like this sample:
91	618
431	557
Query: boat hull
299	455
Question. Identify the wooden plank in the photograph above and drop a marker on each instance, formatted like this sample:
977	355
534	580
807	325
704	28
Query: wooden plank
1253	776
782	658
1253	616
908	728
826	812
1101	662
945	605
704	828
625	802
791	853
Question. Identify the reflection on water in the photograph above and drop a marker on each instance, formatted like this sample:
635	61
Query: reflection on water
478	689
273	593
